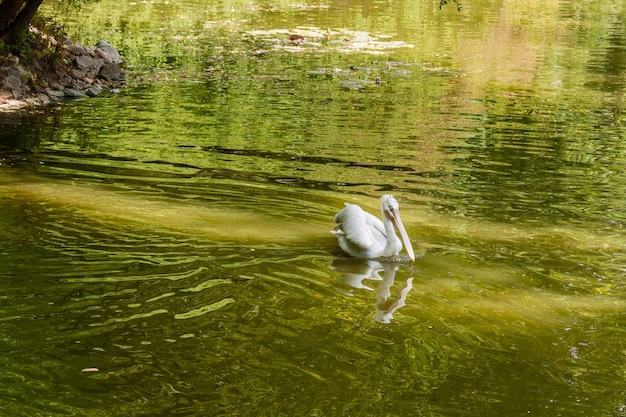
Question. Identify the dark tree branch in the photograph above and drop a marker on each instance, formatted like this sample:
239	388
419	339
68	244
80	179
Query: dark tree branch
15	15
444	2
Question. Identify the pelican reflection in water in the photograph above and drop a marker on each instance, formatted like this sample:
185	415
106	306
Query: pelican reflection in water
363	235
355	271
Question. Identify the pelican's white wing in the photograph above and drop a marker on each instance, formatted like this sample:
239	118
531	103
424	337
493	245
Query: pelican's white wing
360	228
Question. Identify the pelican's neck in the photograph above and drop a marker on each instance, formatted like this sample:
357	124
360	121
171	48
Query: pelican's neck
393	245
387	223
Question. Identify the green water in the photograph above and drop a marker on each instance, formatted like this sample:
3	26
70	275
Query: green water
166	251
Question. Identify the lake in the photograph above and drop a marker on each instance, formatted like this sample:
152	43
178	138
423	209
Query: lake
167	250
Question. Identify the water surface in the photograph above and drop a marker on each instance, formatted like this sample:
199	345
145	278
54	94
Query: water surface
167	251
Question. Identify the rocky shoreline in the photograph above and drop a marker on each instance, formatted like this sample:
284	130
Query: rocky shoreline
76	71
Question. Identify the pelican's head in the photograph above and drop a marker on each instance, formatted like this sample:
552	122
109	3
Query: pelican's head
391	210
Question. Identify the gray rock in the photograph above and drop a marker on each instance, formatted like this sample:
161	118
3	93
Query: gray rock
11	71
55	93
69	92
23	72
111	72
95	69
85	62
109	54
78	74
79	85
93	91
12	82
78	49
88	66
43	98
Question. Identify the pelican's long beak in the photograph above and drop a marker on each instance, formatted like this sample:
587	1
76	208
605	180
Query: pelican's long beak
397	221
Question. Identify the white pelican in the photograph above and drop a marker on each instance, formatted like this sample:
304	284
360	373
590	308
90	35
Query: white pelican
363	235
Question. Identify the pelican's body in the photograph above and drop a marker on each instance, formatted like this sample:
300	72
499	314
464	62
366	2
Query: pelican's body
362	235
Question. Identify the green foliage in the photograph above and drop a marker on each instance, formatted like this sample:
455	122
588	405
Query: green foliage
27	41
68	6
40	45
18	47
